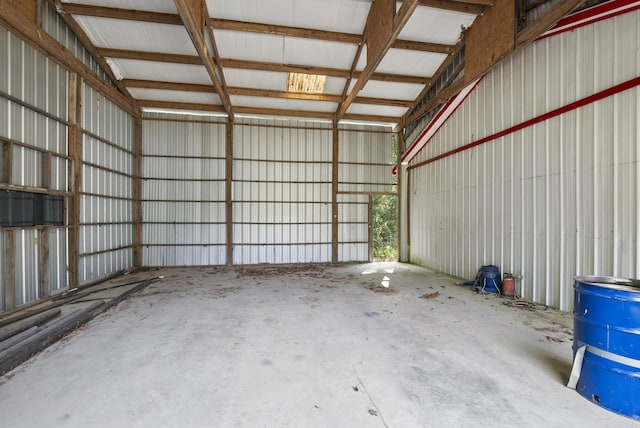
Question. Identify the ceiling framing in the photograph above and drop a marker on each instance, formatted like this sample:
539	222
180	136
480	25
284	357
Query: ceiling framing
381	57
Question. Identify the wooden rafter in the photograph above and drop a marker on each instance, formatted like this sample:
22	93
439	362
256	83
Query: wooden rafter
251	92
224	24
193	14
256	65
373	60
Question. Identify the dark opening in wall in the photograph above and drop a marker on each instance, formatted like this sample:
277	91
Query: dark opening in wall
26	209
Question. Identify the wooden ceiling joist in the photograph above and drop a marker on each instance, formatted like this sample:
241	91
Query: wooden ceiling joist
473	7
256	65
224	24
251	92
194	14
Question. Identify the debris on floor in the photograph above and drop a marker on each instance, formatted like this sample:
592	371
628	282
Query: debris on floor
430	295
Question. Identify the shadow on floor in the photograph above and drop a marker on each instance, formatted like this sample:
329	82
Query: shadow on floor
560	367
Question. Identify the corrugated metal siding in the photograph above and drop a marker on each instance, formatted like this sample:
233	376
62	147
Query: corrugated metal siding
364	166
281	191
555	200
353	228
183	190
39	82
365	160
55	26
106	212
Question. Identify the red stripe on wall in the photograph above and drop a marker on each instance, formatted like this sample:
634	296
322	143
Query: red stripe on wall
594	14
553	113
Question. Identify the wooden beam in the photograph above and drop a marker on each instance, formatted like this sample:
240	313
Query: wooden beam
17	23
88	44
7	162
398	23
268	93
9	269
75	151
546	21
193	14
115	13
150	56
170	105
456	6
44	280
137	193
253	27
229	191
257	65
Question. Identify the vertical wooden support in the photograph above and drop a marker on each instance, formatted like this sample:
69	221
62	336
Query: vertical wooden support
7	162
75	151
334	195
46	170
408	218
137	194
229	191
44	288
399	190
9	279
370	226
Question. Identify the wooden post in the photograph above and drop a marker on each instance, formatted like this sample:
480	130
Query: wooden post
229	191
370	227
334	194
7	162
75	151
137	194
9	277
44	286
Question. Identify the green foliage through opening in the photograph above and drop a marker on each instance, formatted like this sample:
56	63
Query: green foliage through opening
385	237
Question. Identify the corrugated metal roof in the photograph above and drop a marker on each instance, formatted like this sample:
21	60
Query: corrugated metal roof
137	36
348	16
178	96
258	43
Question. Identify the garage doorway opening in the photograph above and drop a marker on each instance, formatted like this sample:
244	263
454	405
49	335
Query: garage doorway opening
384	221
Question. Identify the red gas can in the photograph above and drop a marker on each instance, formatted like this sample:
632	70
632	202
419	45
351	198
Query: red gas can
508	285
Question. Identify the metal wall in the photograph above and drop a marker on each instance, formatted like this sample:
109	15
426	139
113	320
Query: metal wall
183	190
364	168
281	191
33	132
54	25
106	216
553	200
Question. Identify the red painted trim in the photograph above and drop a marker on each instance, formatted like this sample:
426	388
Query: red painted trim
580	19
553	113
594	14
454	100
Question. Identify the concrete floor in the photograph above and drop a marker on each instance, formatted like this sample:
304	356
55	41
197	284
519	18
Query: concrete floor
306	346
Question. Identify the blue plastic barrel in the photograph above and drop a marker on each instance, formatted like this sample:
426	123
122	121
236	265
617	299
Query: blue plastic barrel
488	280
607	323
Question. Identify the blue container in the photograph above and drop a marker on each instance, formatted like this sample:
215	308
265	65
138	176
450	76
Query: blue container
488	280
607	322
